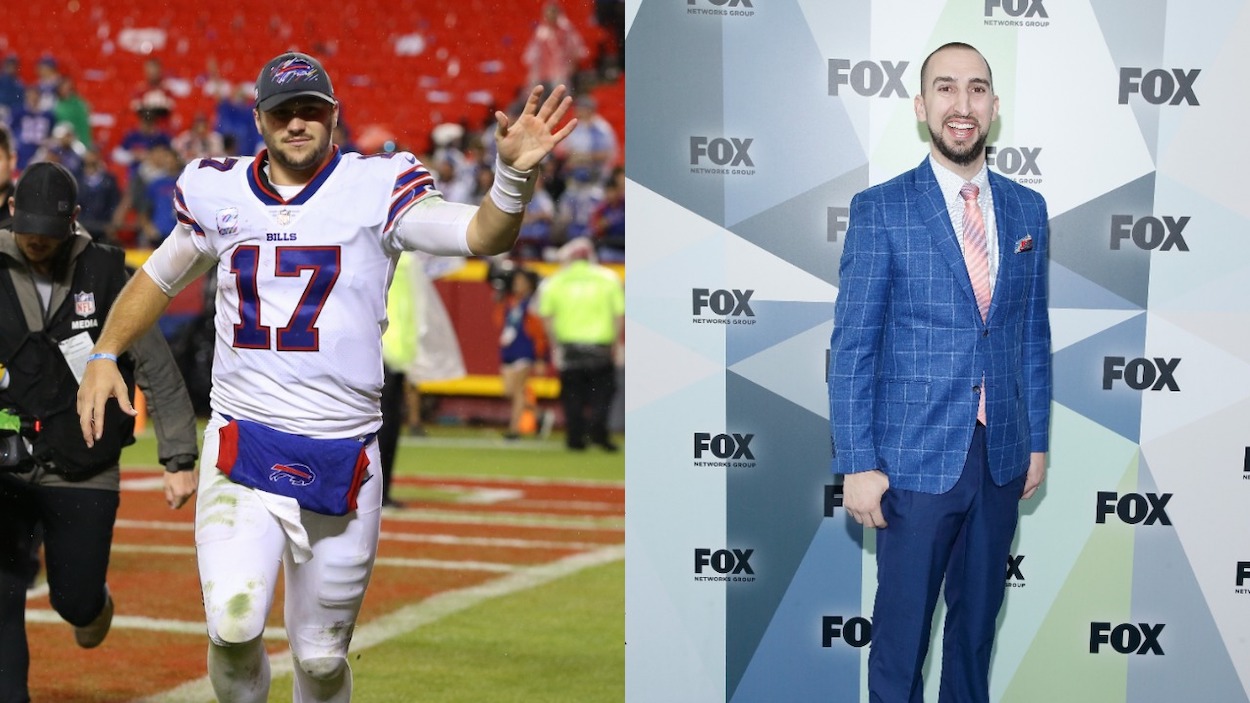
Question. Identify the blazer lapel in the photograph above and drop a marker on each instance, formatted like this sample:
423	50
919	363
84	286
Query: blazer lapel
938	220
1007	224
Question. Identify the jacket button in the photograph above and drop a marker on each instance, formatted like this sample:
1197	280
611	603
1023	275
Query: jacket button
985	333
976	389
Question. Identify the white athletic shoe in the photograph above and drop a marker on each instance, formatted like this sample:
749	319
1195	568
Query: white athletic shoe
93	634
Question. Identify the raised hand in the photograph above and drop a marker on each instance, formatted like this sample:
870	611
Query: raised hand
524	143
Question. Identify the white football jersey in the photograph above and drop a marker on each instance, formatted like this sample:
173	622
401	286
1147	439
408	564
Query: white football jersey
301	285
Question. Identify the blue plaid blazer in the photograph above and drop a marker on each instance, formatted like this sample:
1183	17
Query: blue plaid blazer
909	349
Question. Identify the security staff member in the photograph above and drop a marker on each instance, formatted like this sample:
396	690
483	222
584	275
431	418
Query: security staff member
56	287
583	307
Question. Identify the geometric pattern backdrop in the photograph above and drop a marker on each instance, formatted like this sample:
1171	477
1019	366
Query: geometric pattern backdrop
751	124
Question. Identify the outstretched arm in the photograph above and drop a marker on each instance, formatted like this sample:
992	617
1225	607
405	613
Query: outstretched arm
523	144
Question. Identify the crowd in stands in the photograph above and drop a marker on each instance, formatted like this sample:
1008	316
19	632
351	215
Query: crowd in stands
127	183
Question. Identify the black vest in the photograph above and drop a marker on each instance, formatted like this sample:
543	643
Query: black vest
41	383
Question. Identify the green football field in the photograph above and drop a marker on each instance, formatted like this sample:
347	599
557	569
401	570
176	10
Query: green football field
554	633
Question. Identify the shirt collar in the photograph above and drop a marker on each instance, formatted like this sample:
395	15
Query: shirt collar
950	182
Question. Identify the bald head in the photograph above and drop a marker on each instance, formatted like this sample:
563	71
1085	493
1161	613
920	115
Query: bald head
926	80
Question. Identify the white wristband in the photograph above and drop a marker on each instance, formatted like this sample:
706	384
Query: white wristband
513	188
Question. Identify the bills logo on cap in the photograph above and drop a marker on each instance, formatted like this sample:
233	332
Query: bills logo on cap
291	70
84	304
228	221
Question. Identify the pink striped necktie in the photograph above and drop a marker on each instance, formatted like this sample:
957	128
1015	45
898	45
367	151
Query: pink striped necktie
975	253
976	256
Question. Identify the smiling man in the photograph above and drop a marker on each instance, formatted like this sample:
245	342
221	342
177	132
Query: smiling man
939	383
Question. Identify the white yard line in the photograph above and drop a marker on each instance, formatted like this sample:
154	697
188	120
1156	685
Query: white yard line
155	525
448	565
614	522
585	506
441	564
504	542
521	480
417	615
135	622
459	518
148	477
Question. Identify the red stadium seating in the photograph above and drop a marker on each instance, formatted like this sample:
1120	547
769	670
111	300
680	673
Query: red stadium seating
471	55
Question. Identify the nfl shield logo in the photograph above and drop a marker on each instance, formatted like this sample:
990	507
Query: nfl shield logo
84	304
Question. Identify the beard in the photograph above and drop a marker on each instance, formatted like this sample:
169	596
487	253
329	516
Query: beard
304	162
962	158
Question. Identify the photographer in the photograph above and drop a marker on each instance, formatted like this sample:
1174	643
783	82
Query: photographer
56	287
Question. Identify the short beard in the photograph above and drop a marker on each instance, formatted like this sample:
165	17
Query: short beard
960	159
313	161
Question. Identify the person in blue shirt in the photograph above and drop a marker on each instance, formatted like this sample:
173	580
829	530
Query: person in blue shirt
12	90
32	126
522	346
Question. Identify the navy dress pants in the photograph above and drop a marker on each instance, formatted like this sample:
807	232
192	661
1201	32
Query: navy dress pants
961	537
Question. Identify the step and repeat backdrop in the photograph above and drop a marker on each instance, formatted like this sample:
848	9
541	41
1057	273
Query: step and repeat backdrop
751	123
